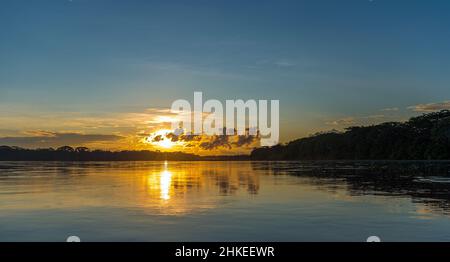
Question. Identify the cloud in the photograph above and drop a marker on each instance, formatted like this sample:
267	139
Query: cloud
216	142
431	107
245	140
66	121
202	70
157	138
132	125
374	117
39	133
112	131
53	139
342	121
360	120
390	109
205	142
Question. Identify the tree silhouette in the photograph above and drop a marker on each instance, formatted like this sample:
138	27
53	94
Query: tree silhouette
423	137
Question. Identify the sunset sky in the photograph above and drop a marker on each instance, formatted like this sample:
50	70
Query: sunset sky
104	73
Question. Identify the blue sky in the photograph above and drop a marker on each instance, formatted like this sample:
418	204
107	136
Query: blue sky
330	63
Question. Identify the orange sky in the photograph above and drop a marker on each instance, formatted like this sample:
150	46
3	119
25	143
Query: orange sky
148	130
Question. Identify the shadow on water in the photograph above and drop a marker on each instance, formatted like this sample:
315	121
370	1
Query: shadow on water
425	182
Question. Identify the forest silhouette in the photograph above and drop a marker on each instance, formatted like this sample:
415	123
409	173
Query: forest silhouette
425	137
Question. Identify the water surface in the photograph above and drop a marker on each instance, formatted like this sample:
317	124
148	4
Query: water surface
224	201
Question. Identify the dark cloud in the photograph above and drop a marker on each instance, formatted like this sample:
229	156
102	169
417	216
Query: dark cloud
185	138
51	139
209	142
216	142
189	138
244	140
157	138
173	137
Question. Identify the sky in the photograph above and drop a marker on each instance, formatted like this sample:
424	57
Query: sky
103	73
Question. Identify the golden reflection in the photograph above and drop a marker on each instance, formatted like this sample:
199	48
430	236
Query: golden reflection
165	179
169	188
161	182
181	187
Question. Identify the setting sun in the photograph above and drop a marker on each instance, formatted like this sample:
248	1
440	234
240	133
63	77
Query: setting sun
160	139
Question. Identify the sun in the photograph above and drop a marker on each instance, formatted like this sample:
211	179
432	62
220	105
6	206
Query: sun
160	139
166	143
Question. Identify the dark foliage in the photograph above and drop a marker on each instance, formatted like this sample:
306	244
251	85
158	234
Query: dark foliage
424	137
67	153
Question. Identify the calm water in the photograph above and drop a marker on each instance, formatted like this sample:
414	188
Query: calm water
224	201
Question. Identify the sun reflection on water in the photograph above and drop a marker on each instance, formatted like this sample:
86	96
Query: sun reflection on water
161	182
177	188
164	183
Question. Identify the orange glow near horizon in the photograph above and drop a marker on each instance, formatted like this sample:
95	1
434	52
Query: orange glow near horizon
159	139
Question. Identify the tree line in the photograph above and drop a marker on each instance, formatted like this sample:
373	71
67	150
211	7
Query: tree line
425	137
67	153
